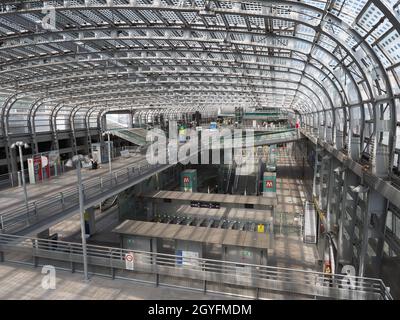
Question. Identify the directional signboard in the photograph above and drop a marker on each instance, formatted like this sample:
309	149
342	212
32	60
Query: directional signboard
269	182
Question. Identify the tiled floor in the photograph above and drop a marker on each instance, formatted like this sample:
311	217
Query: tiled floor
21	282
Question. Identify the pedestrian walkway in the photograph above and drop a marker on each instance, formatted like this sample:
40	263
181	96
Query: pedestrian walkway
15	196
289	249
22	282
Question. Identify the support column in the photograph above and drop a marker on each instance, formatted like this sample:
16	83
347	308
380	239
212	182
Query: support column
324	181
317	169
73	142
348	209
339	139
333	196
328	135
131	115
13	164
380	155
90	221
374	220
321	131
354	147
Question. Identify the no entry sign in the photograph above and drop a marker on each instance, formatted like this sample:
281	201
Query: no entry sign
129	261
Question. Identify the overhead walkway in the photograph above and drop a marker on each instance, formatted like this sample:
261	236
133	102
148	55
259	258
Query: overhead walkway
277	138
134	135
11	198
265	139
49	210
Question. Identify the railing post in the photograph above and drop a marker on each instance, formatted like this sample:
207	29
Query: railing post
205	280
127	169
1	224
11	177
111	266
70	259
35	258
62	200
116	177
157	280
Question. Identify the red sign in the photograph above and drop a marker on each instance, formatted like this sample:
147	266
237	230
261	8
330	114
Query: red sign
40	162
129	257
186	179
269	184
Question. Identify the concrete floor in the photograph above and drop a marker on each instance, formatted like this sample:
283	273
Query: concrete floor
22	282
13	197
292	190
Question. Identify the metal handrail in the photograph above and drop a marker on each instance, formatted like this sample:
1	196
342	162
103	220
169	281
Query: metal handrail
303	282
92	187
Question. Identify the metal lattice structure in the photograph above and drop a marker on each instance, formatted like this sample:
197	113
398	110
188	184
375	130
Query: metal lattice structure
334	64
329	60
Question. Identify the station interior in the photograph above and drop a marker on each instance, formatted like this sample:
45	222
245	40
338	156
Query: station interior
200	149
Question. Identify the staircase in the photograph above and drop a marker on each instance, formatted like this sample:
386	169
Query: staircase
108	203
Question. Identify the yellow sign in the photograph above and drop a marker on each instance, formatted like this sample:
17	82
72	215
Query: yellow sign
260	228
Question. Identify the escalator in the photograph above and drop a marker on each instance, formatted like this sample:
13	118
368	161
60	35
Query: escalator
260	174
230	179
246	180
108	203
240	185
136	136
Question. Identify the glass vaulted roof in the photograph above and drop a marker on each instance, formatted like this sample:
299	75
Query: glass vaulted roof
64	58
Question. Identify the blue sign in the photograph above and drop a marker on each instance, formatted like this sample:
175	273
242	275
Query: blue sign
179	259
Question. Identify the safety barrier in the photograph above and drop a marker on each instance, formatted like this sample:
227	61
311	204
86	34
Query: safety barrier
95	190
23	218
261	279
7	181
